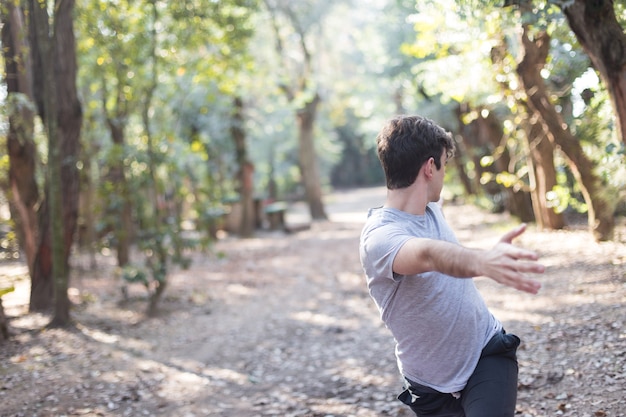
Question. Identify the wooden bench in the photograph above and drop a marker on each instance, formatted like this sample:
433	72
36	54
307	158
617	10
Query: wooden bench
275	213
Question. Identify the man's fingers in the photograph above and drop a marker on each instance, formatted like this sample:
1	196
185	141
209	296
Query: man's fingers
521	281
519	253
512	234
530	267
515	252
517	270
528	285
518	280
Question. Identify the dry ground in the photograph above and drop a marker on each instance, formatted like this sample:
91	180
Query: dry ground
282	325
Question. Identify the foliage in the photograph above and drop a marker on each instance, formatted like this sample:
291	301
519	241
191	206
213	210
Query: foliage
158	73
452	52
594	126
479	69
6	290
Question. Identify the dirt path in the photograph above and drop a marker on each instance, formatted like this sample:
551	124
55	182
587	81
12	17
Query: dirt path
282	325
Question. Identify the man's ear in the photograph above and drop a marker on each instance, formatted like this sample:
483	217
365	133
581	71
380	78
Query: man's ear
429	167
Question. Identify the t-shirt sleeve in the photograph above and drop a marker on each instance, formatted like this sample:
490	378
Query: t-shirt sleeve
379	249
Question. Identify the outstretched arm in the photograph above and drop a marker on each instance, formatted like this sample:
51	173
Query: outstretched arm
504	263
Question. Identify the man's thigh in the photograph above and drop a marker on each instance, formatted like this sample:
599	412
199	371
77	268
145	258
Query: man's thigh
491	391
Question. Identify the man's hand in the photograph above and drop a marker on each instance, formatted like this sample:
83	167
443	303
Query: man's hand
508	264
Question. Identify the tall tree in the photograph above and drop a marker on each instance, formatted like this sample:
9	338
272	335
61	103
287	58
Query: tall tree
540	167
114	60
601	210
303	92
245	171
22	187
54	59
542	172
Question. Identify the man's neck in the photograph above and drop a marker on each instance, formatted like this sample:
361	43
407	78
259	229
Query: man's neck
413	199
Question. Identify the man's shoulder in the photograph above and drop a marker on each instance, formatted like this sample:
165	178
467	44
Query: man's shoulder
382	217
384	226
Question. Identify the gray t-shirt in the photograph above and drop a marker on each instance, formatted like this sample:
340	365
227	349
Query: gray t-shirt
440	323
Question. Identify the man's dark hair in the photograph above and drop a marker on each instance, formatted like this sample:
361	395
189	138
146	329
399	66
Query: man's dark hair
405	143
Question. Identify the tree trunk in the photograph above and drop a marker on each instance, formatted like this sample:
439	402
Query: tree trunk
87	203
122	209
308	159
61	112
70	117
601	210
484	136
540	159
516	199
22	188
305	116
602	37
544	173
43	279
473	149
245	172
41	285
158	261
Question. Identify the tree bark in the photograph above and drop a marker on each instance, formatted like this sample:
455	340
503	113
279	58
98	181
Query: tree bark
542	155
600	209
61	112
22	187
308	159
122	209
41	285
87	199
602	37
70	118
244	173
42	280
474	147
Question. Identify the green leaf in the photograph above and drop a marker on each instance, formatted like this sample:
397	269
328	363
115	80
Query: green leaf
6	290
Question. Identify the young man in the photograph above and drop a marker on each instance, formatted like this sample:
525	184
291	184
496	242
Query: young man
453	353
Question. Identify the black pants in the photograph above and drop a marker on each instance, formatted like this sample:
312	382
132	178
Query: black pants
491	391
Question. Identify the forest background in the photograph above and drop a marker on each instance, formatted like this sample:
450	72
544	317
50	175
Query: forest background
146	130
160	119
140	134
